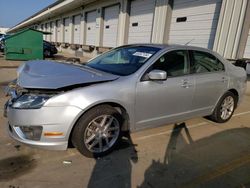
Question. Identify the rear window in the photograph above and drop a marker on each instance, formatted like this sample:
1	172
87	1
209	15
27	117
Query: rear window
205	62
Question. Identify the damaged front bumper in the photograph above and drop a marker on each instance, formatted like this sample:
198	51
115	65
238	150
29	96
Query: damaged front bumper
46	127
55	124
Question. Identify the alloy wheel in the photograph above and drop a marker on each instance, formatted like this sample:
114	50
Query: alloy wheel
101	133
227	107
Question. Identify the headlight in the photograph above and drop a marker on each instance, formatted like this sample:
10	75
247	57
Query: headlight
29	101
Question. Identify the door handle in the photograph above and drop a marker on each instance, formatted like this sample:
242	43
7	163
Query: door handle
224	79
186	84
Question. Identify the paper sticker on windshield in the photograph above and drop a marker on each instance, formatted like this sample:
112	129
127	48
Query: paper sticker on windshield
143	54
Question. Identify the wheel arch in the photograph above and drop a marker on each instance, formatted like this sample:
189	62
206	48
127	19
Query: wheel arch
236	93
232	90
121	109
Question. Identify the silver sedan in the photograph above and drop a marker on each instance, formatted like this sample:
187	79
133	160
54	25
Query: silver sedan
126	89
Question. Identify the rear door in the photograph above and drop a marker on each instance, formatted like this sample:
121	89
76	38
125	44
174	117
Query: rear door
160	102
211	80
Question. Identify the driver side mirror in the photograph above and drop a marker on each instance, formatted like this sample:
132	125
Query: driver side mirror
157	75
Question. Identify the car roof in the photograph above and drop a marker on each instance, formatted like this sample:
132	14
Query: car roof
170	46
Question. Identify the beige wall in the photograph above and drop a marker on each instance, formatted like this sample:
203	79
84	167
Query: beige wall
230	26
244	34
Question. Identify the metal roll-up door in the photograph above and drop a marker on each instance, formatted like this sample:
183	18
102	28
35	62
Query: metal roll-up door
47	30
77	29
247	48
43	29
53	32
194	22
141	21
110	29
66	30
91	28
58	31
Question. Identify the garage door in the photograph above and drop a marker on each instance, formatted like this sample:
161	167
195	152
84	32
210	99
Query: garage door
141	21
91	28
194	22
110	30
47	29
247	49
66	30
53	32
43	29
77	29
58	31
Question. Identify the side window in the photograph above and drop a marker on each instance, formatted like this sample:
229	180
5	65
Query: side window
205	62
175	63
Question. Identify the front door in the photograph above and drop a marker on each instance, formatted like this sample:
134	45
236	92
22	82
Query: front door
161	102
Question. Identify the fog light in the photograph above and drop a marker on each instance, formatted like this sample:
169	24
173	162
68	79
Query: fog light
32	132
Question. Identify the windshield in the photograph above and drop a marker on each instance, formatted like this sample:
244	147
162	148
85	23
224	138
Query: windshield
123	61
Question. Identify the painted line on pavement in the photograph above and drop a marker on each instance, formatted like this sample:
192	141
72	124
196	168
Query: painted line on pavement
169	131
240	114
189	127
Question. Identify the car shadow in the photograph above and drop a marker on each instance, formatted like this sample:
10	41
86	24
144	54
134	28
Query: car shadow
115	169
221	160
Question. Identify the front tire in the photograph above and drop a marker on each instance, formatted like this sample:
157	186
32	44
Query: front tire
225	108
98	131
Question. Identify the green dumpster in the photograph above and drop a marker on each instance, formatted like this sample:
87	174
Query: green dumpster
25	45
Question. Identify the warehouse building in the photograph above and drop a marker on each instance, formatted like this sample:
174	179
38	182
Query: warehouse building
3	30
90	27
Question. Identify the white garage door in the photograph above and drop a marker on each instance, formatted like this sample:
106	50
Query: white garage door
43	29
66	30
141	21
111	15
53	32
47	29
58	31
247	49
77	29
194	22
90	28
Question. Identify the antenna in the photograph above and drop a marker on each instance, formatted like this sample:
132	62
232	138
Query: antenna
189	42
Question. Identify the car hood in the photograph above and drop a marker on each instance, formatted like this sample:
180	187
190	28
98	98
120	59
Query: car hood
54	75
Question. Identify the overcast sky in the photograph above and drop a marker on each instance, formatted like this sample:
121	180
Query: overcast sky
14	11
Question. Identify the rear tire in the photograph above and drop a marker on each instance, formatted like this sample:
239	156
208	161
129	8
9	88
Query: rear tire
98	131
225	108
